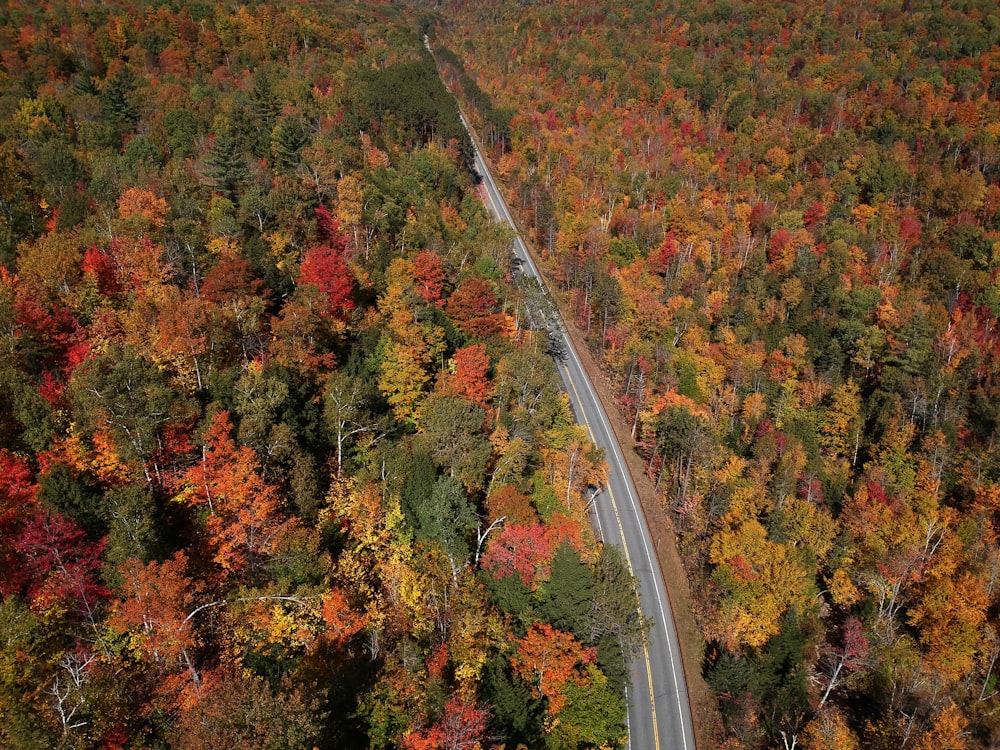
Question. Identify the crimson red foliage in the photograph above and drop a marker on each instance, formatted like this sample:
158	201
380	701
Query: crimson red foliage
98	264
519	549
325	267
59	564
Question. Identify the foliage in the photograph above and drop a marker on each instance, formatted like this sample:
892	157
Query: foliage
261	393
777	227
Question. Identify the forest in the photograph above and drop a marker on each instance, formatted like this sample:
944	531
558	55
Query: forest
778	227
283	462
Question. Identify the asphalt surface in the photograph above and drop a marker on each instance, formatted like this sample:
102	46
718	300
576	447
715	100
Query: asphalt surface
659	712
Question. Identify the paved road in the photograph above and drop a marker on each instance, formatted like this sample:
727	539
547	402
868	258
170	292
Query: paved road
659	713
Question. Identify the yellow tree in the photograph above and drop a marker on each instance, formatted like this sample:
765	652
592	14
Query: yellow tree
829	731
842	423
886	557
475	631
51	265
756	582
403	380
574	465
948	731
951	612
350	204
410	346
378	565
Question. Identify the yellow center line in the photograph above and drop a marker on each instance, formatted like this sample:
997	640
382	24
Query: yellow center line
628	561
614	505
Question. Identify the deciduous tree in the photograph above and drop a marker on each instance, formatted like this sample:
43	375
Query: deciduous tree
244	517
551	662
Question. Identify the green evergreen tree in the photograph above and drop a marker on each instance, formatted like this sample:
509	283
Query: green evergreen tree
264	109
73	496
567	596
287	141
117	102
517	717
614	623
227	168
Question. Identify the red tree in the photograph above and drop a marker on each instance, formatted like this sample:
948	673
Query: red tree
98	265
473	306
428	276
519	549
17	504
461	727
850	655
60	565
472	380
325	267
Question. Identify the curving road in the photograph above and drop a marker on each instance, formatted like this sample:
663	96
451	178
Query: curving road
659	713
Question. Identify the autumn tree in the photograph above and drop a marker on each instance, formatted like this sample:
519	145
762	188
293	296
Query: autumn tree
248	712
410	347
324	266
580	707
468	374
17	507
850	655
462	726
757	582
60	567
158	607
237	297
429	277
123	392
244	518
473	305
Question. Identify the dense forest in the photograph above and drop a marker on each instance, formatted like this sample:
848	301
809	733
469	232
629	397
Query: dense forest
282	464
778	226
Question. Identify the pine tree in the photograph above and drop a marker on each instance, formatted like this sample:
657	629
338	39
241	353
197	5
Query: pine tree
117	102
227	168
287	141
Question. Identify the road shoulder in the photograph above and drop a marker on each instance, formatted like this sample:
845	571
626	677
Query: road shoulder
705	714
704	708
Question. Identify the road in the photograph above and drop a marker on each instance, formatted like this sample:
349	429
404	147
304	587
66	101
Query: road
659	712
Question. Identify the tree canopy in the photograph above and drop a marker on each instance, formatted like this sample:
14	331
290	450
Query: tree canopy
776	225
257	449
